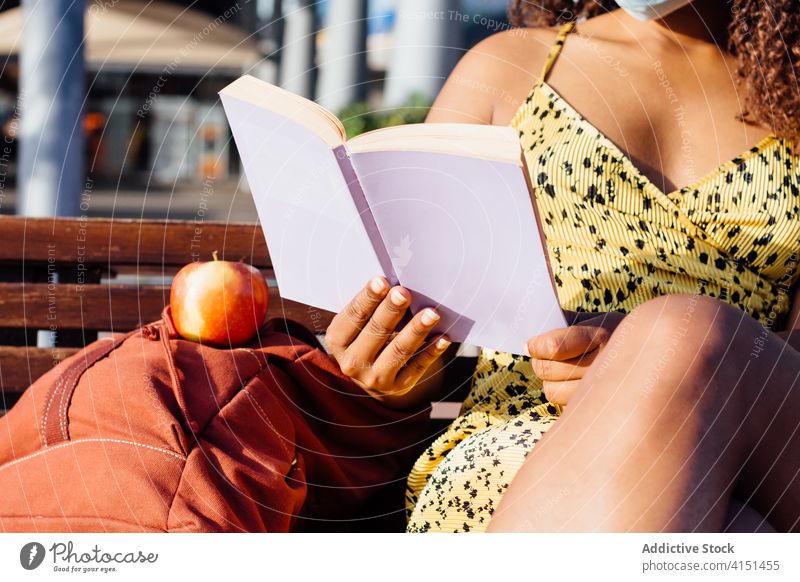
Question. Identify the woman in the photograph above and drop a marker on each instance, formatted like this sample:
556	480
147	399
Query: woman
661	141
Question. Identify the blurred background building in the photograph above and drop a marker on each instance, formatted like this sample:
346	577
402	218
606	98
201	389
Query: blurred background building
109	107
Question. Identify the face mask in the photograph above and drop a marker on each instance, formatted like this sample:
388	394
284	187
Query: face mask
651	9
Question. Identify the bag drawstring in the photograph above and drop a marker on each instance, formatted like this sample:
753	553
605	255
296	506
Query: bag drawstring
162	332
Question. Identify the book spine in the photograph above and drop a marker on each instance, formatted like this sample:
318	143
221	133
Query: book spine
364	211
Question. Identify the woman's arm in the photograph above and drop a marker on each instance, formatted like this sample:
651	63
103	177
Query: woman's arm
461	99
492	78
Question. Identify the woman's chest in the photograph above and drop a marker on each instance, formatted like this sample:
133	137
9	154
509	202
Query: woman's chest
675	113
589	191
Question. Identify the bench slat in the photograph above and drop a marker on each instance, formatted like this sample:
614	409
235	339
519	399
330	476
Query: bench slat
113	307
70	306
85	250
129	242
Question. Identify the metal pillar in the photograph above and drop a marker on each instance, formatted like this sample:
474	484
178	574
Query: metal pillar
343	70
428	39
299	44
270	39
52	91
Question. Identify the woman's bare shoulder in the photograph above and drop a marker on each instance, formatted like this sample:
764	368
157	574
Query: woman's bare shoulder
493	72
516	51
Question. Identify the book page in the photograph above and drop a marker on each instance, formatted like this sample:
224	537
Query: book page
488	142
462	237
319	247
302	111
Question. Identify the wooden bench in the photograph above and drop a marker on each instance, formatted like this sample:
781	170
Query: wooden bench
78	277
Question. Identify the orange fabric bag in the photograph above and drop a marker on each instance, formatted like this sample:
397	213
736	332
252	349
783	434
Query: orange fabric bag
149	432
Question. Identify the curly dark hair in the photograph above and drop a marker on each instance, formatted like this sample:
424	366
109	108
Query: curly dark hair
764	35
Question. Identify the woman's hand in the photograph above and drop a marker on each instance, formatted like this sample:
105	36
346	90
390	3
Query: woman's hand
361	338
562	356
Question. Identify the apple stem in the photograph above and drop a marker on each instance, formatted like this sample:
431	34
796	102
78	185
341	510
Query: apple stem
215	255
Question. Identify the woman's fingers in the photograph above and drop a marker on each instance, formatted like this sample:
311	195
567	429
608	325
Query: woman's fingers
567	343
358	336
406	343
349	322
419	364
380	326
560	392
558	371
562	357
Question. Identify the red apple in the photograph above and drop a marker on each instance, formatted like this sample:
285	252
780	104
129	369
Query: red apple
221	303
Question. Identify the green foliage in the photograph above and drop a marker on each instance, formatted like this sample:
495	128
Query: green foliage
358	118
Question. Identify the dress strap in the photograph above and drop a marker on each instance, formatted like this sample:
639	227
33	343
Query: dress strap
555	50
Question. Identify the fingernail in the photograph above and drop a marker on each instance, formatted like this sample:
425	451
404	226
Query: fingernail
442	344
377	285
526	351
397	297
429	317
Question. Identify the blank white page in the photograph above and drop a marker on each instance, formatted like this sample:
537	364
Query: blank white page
319	247
462	237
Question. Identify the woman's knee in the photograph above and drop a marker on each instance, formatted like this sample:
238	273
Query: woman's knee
693	325
691	334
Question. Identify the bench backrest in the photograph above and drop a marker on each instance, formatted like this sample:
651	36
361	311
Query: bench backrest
79	277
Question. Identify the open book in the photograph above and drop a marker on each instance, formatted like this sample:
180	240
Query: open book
443	209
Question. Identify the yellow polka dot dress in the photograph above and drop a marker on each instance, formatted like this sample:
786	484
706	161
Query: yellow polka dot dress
614	241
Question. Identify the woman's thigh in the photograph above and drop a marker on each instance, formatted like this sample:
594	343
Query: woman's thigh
679	409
